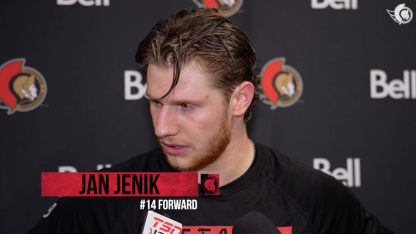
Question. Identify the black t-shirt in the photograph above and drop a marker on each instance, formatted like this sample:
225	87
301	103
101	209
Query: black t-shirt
290	194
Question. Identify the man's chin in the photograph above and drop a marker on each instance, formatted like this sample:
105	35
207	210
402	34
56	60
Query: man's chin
180	166
185	163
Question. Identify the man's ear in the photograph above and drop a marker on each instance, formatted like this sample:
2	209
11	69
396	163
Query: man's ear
241	98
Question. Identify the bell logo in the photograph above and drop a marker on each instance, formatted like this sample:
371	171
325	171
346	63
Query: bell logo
335	4
68	168
83	2
350	176
396	89
133	87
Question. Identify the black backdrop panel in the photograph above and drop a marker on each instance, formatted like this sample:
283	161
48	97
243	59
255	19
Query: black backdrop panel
86	56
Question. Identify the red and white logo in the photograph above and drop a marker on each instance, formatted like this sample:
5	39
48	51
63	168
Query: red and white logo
225	7
210	184
281	84
22	88
159	224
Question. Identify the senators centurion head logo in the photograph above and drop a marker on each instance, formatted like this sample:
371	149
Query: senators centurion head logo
401	14
225	7
210	184
281	85
22	88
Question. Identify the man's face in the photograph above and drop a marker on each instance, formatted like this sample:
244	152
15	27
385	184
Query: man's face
33	91
192	122
405	14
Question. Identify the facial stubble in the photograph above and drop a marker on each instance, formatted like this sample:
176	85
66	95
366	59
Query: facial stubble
216	146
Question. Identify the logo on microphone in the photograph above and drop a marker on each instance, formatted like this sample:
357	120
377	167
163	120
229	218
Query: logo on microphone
158	224
401	14
22	88
210	184
225	7
281	84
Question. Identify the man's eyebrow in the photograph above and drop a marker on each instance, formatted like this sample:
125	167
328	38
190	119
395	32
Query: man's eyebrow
175	102
185	101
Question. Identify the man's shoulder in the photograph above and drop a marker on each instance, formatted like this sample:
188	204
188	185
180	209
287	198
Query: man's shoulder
295	177
325	202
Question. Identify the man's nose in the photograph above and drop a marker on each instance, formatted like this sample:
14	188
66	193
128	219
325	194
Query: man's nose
165	123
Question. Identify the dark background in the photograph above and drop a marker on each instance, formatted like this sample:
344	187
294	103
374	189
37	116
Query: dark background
83	52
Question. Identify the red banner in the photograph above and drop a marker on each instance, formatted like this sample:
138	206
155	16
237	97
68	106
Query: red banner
145	184
223	229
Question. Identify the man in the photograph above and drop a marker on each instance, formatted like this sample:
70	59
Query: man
201	85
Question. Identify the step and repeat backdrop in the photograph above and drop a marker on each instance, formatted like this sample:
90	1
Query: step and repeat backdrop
342	100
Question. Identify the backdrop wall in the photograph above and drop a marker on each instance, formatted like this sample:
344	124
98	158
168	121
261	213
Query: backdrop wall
345	87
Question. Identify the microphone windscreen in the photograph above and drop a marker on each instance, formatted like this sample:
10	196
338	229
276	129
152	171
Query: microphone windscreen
254	223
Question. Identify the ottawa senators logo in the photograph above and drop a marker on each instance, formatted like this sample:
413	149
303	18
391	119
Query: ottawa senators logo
281	84
21	88
225	7
210	184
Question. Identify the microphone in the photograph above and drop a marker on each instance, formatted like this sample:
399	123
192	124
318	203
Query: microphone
254	222
156	223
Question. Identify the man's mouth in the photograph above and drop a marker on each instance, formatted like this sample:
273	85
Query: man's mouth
174	149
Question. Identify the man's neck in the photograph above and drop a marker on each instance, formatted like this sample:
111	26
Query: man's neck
236	158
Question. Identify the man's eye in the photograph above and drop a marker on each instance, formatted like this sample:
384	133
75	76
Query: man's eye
156	103
186	106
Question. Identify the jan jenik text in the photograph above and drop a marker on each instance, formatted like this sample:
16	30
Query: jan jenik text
93	184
